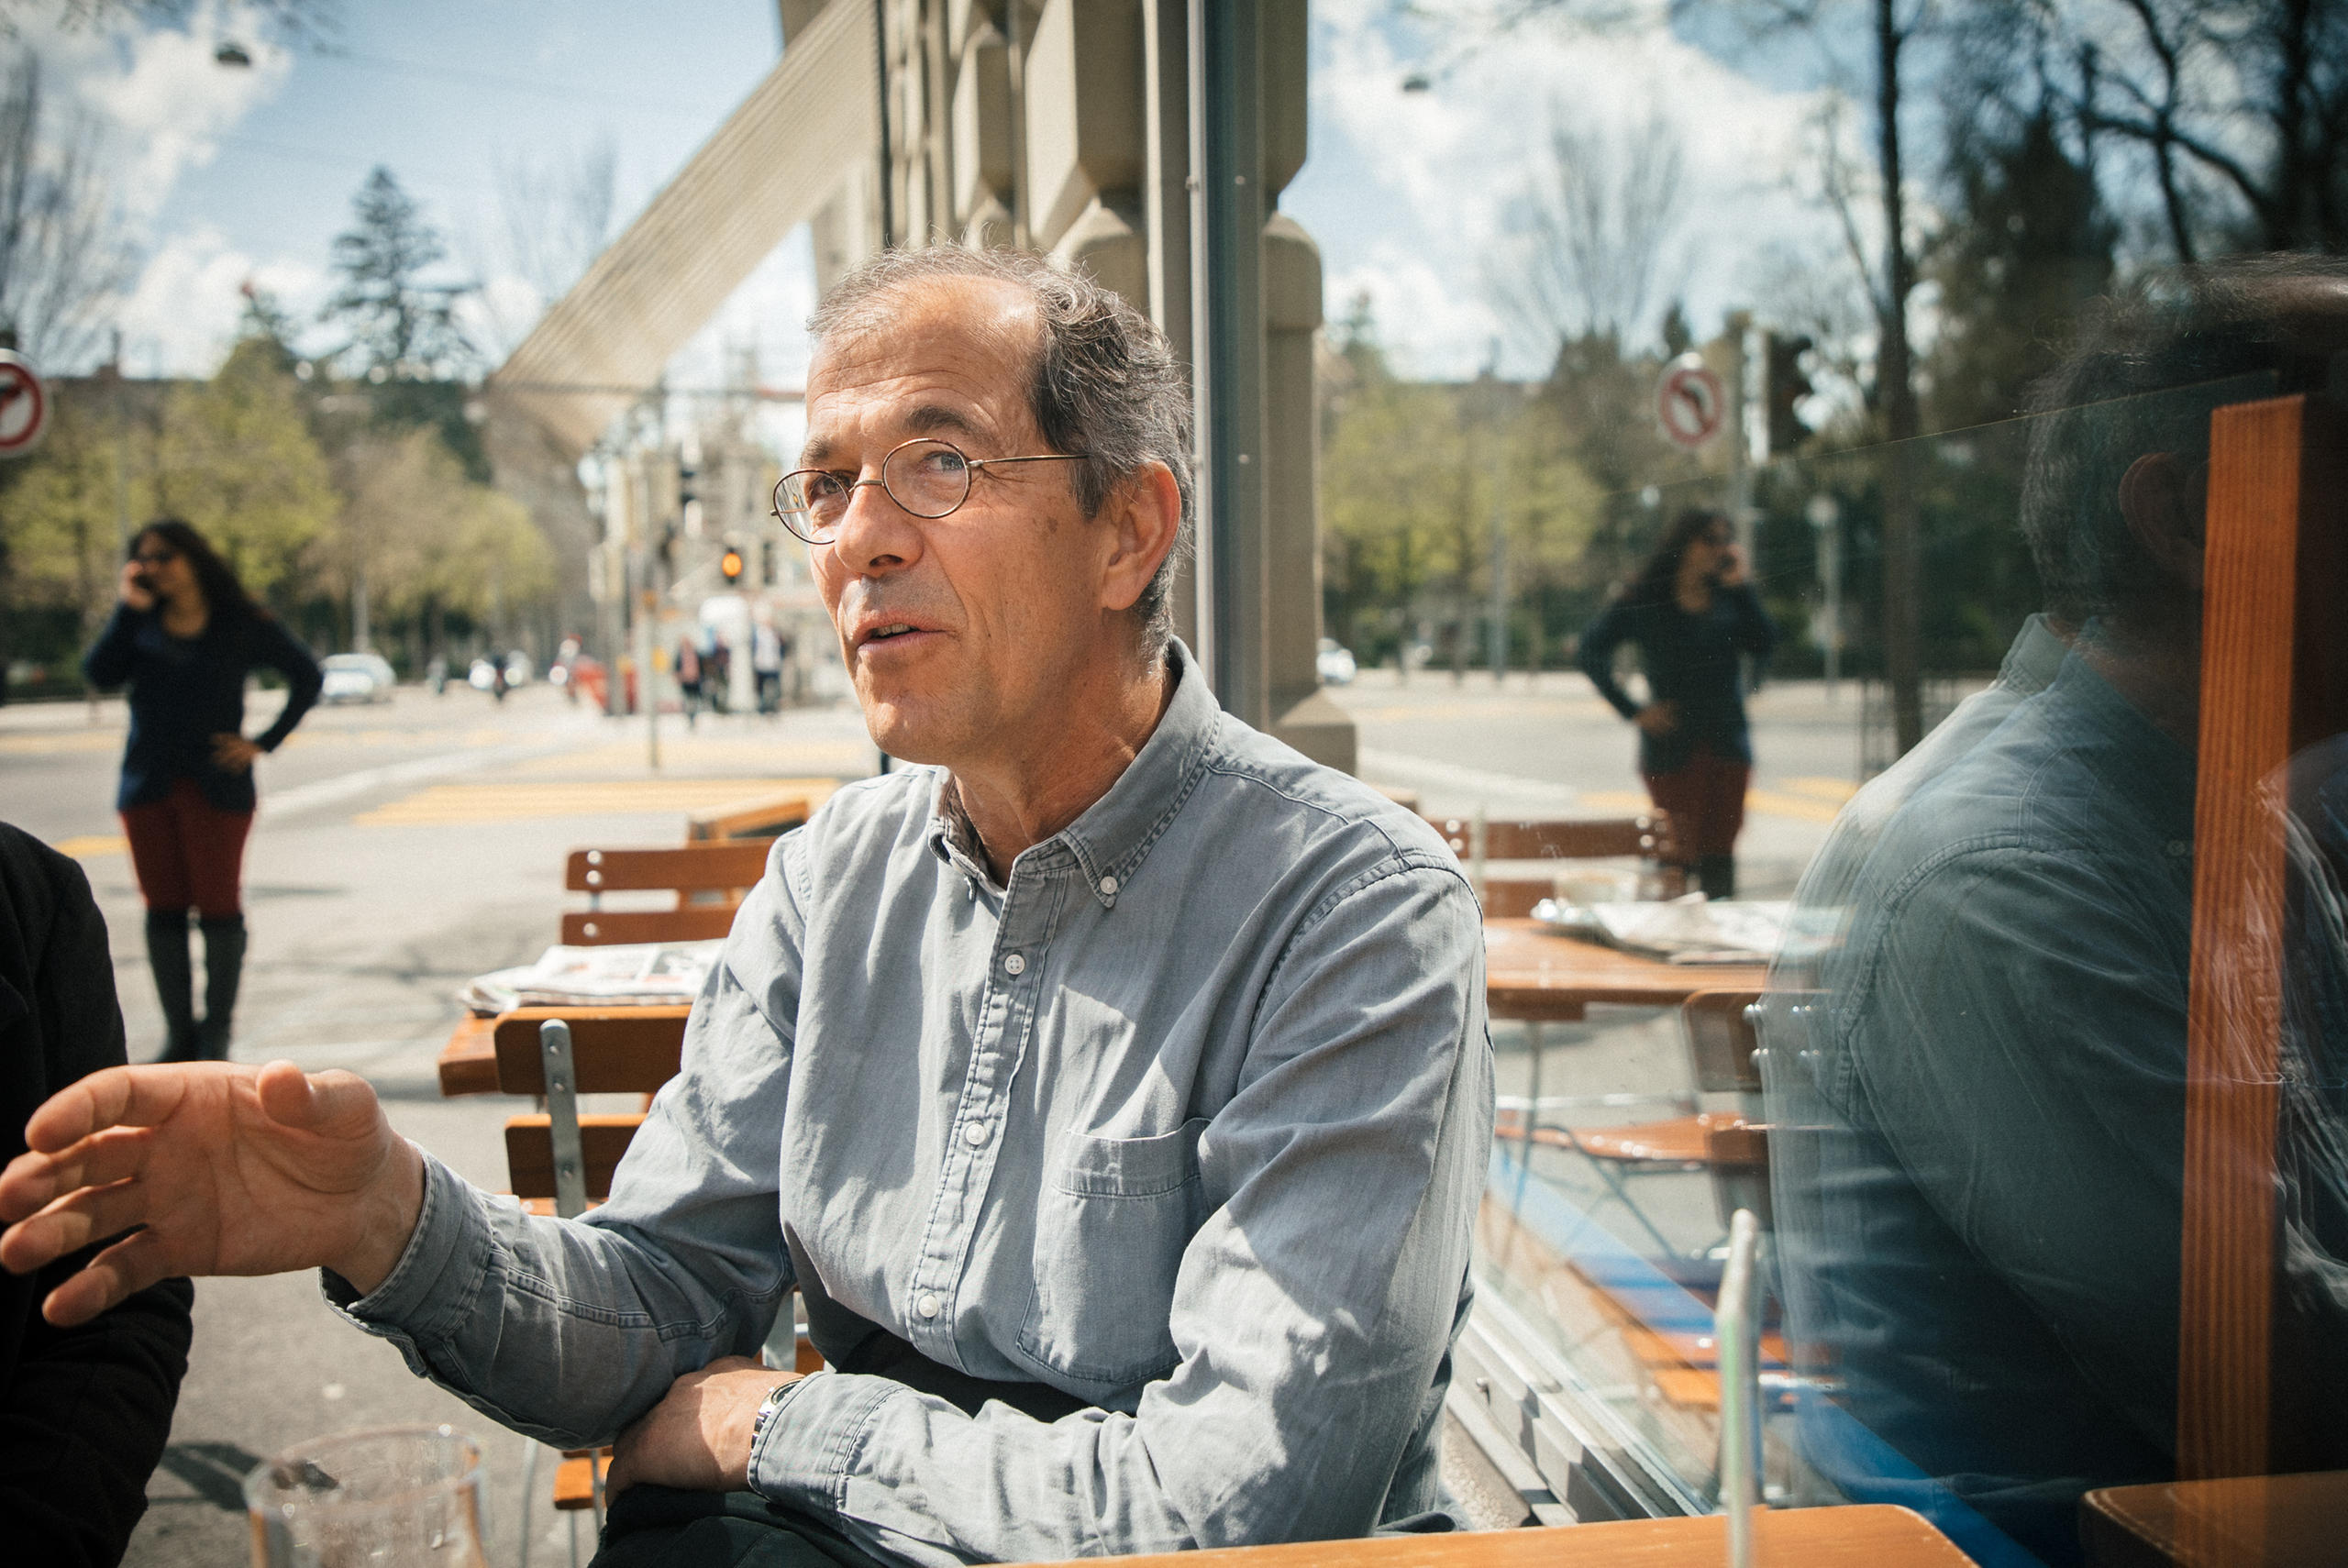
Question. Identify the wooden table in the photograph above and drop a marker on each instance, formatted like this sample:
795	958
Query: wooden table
1868	1536
468	1062
2252	1521
1534	976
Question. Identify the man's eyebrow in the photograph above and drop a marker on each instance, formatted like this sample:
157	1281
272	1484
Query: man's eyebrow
930	418
925	419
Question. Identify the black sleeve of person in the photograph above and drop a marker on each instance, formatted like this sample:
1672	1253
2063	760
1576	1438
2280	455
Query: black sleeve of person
1610	631
84	1412
284	652
107	664
1756	634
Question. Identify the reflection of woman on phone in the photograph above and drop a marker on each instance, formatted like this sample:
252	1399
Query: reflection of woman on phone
1691	612
185	637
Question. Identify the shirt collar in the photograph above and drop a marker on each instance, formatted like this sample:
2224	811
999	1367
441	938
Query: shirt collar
1113	837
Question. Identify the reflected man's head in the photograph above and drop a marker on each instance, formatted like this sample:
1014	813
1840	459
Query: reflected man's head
2119	433
975	630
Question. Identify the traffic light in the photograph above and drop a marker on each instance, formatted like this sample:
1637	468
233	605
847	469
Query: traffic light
688	478
730	564
1785	385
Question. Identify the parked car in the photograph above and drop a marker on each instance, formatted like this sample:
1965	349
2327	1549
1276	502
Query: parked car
358	678
1335	663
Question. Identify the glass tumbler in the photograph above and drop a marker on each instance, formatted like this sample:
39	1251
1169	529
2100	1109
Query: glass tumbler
394	1497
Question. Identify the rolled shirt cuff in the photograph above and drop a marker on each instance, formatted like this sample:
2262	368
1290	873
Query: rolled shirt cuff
433	1288
816	1439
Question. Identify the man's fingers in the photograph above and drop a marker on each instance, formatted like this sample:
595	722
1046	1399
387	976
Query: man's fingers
130	1266
72	1223
32	1181
116	1096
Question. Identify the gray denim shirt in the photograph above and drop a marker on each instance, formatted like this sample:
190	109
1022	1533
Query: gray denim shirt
1188	1121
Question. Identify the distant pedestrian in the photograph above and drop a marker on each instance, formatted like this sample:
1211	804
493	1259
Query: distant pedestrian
185	637
1691	612
688	678
766	666
717	674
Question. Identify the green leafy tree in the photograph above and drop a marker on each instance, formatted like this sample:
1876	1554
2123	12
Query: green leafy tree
238	460
1412	473
401	326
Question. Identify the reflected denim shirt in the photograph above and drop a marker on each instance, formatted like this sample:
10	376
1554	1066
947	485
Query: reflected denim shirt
1187	1122
1979	1166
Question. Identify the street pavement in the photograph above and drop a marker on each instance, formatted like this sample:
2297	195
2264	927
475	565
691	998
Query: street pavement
403	848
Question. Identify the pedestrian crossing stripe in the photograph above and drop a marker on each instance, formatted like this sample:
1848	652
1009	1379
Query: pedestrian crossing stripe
684	749
88	845
63	741
1757	803
453	805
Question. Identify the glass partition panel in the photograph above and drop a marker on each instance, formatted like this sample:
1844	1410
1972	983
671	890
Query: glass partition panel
1998	1265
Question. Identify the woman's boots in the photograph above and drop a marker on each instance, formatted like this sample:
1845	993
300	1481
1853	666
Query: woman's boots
184	1039
224	965
174	983
1715	873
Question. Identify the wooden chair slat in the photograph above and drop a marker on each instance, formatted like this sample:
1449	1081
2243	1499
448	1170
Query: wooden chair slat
691	923
529	1151
574	1481
688	867
620	1050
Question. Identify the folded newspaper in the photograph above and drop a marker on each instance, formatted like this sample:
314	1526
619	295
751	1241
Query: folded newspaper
628	974
1683	931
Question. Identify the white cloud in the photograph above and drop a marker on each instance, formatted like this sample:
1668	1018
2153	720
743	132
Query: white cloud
161	96
181	315
1446	164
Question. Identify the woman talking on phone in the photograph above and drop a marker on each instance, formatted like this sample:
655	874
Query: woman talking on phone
183	638
1691	613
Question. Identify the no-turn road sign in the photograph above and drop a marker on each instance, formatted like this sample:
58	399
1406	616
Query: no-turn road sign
24	406
1689	403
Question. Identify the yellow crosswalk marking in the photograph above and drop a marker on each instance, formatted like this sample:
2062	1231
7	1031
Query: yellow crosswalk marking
63	741
449	805
1836	789
1803	807
88	845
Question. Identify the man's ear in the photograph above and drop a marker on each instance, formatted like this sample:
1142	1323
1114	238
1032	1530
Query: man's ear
2164	507
1146	513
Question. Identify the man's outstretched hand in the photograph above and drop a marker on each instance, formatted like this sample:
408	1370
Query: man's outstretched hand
215	1168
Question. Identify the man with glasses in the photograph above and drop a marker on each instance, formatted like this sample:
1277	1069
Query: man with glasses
1113	1086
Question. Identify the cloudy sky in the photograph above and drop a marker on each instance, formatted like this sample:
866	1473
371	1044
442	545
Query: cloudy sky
229	174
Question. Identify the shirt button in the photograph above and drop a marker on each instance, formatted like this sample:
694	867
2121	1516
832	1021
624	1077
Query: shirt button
1108	887
975	1135
926	1306
1016	964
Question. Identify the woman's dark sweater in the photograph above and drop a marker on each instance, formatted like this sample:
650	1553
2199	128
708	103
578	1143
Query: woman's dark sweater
1690	662
184	690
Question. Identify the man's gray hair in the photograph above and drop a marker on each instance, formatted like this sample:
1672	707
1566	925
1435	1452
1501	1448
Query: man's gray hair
1104	381
2150	363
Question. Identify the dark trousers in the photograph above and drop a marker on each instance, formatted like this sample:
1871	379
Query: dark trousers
653	1527
1705	795
188	853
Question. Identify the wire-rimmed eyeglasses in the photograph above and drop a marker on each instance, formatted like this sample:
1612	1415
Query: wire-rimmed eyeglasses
927	478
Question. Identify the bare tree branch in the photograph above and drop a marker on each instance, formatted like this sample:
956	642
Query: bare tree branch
62	257
1595	232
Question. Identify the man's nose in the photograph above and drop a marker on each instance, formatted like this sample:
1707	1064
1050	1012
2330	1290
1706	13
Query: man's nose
876	535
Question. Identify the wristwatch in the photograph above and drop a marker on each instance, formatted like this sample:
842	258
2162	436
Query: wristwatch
767	1407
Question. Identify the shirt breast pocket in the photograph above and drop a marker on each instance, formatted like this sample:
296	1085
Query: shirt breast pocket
1111	1226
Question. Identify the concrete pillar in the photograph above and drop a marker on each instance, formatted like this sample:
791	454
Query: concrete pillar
1071	120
